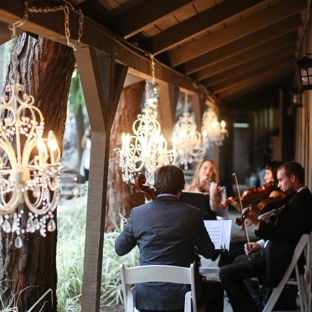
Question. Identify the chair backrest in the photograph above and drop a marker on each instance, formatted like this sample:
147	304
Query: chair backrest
293	265
309	273
158	273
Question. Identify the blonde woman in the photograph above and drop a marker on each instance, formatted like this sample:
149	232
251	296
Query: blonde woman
206	181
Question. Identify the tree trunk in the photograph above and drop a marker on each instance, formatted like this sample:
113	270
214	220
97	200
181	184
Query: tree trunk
121	196
26	274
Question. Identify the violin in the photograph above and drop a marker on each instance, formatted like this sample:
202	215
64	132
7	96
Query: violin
149	193
268	205
203	184
253	194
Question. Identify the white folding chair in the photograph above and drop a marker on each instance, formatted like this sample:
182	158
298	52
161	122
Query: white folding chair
158	273
299	279
309	273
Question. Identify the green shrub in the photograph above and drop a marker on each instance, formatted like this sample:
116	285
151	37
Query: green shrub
70	254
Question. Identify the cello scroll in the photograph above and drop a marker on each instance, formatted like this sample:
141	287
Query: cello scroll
149	193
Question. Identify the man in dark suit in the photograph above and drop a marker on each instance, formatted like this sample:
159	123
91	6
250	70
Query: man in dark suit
166	231
270	263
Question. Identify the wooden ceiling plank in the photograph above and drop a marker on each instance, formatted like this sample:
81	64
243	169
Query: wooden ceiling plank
195	25
51	26
236	31
237	59
251	65
257	77
255	86
245	43
109	4
253	72
133	21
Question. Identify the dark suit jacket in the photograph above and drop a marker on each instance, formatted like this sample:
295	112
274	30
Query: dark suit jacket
294	220
165	231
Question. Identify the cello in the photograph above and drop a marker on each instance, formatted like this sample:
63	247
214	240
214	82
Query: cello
139	185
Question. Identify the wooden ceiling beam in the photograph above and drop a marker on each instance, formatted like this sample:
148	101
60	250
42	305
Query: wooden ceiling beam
281	28
133	21
275	56
240	58
236	31
195	25
6	33
261	79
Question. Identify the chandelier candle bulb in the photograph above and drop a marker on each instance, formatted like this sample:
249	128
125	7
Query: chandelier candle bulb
53	146
41	151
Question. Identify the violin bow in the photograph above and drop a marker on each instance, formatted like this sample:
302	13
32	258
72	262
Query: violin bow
241	208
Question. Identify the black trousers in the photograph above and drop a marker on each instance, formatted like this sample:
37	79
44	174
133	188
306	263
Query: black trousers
232	276
245	294
211	296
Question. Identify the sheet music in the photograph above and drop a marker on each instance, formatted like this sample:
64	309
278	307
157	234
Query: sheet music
219	232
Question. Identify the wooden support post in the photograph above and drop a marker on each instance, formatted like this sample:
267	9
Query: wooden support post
102	81
199	108
168	100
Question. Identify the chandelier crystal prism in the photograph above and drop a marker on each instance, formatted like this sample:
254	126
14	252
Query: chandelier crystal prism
29	163
187	141
146	148
213	131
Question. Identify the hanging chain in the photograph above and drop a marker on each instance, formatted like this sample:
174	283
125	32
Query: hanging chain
49	10
153	68
185	102
146	93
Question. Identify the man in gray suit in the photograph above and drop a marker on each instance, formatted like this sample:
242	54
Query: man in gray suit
166	232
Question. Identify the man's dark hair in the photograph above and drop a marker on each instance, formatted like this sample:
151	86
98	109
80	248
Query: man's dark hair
293	167
169	180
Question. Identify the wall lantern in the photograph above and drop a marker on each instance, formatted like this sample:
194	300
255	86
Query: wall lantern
305	73
295	97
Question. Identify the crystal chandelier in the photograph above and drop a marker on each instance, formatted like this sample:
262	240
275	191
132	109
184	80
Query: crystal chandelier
187	141
212	129
146	148
29	164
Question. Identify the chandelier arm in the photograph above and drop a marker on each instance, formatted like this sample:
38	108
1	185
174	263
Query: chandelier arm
15	199
42	211
7	147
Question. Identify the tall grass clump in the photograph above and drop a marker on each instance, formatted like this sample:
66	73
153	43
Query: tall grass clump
12	305
70	258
